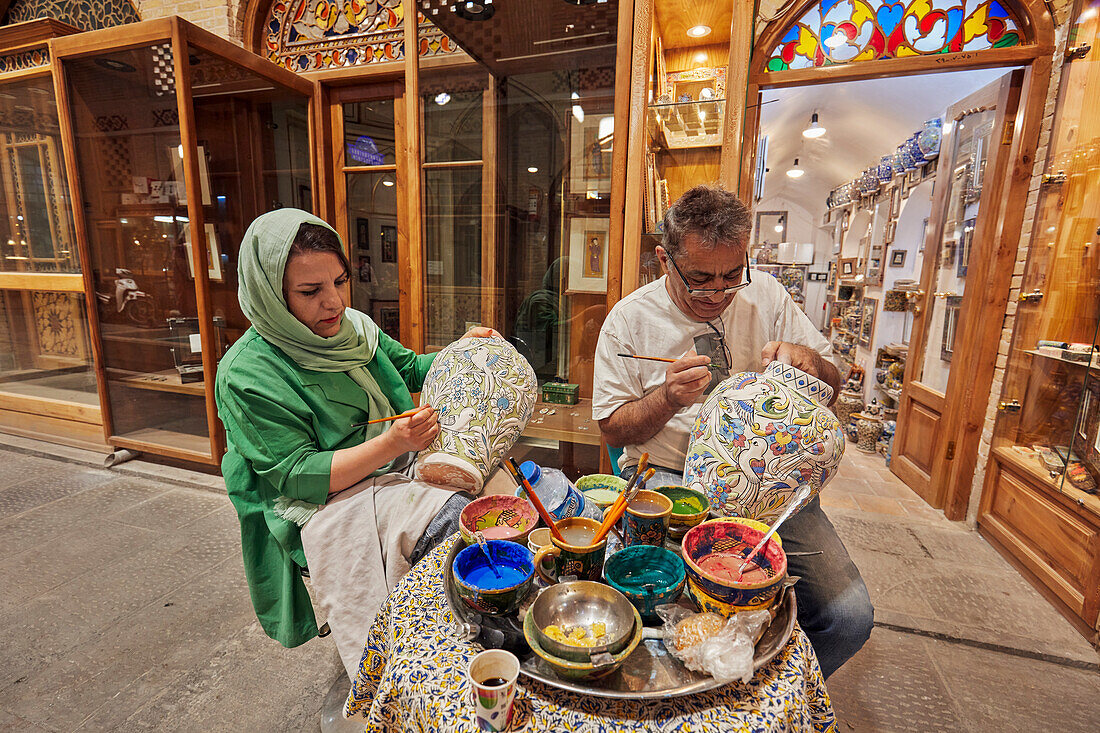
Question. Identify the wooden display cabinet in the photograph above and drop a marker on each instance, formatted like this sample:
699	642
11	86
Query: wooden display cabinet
1039	504
175	139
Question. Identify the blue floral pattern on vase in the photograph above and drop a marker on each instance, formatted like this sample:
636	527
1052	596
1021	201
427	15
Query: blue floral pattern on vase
484	391
885	169
759	438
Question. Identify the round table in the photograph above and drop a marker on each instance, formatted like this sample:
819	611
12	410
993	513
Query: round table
413	677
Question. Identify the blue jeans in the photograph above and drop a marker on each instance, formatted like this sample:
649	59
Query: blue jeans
834	608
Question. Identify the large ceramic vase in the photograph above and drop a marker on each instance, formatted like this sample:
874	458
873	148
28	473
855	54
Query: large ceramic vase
868	428
484	392
846	404
759	438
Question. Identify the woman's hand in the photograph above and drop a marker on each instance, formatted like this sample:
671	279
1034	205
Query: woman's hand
481	332
415	432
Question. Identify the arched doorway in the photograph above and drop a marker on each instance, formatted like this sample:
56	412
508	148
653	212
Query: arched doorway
939	421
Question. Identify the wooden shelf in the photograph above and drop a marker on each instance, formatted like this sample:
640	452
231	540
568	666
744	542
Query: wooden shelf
563	425
1088	364
1024	461
164	381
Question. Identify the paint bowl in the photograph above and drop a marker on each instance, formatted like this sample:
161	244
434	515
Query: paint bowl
586	670
498	517
580	604
602	489
689	507
485	591
754	523
712	553
648	576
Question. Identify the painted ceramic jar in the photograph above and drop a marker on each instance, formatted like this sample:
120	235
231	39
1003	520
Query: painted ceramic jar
759	438
484	392
713	550
928	139
846	404
868	429
914	151
868	182
885	169
906	157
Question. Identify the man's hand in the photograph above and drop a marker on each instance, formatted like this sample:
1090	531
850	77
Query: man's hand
480	332
415	432
686	379
804	358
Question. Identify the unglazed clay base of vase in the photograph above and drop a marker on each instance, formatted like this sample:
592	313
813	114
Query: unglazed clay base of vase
484	392
759	438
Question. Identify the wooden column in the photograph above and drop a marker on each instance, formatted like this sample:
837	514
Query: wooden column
410	237
633	221
492	299
616	237
734	137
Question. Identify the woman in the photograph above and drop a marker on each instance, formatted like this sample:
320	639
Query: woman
310	489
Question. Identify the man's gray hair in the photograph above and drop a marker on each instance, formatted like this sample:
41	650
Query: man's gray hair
713	214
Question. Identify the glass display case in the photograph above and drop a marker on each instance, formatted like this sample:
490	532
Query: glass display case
178	139
1039	499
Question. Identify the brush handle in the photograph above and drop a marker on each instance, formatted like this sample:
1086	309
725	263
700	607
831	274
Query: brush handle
386	419
649	358
548	520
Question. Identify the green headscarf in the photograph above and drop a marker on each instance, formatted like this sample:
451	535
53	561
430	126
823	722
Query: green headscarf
263	256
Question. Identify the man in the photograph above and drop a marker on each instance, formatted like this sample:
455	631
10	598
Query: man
709	313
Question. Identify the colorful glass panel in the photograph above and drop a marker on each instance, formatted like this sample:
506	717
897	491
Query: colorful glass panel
873	30
308	35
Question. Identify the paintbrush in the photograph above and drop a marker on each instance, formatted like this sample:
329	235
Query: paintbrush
664	360
548	520
616	514
386	419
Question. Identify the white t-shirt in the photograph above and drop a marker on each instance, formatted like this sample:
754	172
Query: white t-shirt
648	323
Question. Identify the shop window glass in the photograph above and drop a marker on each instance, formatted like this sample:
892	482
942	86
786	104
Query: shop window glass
36	229
452	126
369	133
372	246
452	232
44	346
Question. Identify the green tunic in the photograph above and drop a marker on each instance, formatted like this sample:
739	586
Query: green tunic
282	423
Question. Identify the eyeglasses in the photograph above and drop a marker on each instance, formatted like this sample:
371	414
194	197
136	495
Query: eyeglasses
707	292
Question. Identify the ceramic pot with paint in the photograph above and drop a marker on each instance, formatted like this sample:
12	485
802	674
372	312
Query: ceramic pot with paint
689	508
498	518
759	438
484	392
575	555
713	552
646	519
601	489
497	589
648	576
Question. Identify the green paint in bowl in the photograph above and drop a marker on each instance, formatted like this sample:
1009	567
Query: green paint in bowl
689	507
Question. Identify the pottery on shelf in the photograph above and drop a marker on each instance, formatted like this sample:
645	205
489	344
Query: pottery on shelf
873	408
885	169
847	403
484	392
759	438
928	139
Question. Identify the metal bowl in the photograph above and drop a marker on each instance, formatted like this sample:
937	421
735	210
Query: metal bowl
591	668
582	603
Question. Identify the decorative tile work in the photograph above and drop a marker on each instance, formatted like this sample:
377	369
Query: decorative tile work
24	60
87	15
57	324
308	35
878	30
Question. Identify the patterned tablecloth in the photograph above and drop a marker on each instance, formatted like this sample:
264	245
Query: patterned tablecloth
413	678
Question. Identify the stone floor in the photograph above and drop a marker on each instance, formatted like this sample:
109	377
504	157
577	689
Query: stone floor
125	608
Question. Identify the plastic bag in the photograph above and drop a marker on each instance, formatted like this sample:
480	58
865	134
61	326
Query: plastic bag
707	643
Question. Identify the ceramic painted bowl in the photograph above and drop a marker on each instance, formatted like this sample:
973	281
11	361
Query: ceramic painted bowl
601	488
498	517
755	524
689	506
648	576
479	587
713	605
580	671
711	541
583	603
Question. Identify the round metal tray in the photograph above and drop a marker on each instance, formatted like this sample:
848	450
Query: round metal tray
649	673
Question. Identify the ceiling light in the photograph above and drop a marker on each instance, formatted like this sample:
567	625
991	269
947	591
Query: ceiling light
472	10
1087	15
532	169
578	110
838	39
387	182
442	98
794	171
698	31
778	228
700	57
814	130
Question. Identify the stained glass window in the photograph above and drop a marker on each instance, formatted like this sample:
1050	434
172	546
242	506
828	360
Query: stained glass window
844	31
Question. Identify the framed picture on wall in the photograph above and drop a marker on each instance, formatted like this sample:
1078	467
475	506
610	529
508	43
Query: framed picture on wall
589	155
891	229
832	275
897	258
964	247
388	317
895	201
588	255
867	325
364	268
214	266
389	243
362	233
848	267
952	304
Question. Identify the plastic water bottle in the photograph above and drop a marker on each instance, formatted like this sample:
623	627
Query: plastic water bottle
556	492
